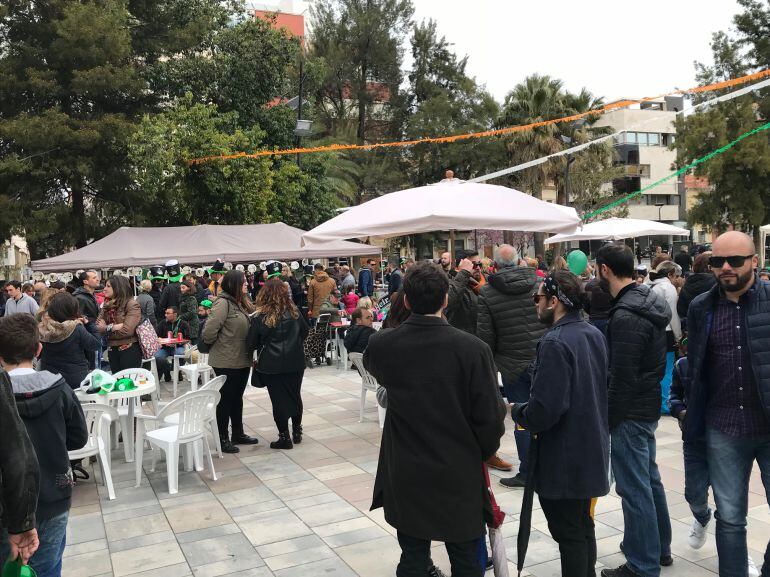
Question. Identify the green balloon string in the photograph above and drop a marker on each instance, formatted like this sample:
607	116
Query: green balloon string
682	170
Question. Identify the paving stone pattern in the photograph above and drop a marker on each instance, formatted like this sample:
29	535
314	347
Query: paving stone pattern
305	512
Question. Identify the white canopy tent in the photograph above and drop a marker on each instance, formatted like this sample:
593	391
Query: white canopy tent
199	245
618	229
451	204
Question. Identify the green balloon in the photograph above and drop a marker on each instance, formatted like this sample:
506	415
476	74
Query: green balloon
577	262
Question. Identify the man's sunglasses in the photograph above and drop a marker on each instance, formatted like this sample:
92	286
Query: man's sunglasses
733	261
476	264
536	298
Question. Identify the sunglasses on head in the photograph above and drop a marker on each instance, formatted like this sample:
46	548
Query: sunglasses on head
733	261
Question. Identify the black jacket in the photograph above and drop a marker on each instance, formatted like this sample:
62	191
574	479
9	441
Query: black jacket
179	326
67	349
680	386
699	319
357	338
684	260
637	339
507	319
280	348
567	408
599	302
395	281
444	419
56	424
695	284
87	304
463	307
170	297
19	472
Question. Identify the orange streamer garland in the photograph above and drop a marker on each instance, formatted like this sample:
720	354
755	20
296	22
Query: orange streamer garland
482	134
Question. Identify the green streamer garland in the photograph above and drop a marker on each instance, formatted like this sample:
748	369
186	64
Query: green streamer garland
682	170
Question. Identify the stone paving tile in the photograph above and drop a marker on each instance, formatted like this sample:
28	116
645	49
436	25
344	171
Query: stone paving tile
305	512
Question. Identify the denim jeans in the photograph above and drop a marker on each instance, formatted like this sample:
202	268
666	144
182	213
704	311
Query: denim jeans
164	367
53	537
517	391
647	533
730	461
696	480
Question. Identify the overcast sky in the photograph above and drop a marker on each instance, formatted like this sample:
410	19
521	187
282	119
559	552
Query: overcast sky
614	49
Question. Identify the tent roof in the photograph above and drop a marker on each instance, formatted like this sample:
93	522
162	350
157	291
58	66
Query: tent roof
203	244
619	228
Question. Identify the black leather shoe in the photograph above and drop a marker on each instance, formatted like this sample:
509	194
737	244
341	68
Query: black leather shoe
517	482
296	434
622	571
666	560
227	446
283	442
244	439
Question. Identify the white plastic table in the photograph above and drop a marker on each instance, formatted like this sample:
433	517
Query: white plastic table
112	398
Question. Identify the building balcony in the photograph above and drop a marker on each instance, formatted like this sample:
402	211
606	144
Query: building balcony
667	212
640	170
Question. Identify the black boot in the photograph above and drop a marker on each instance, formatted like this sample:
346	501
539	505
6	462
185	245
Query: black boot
283	442
296	434
241	438
227	446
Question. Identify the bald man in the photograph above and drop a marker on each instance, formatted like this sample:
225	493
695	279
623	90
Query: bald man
447	265
728	401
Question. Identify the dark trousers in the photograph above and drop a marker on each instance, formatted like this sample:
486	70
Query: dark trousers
285	396
518	392
416	561
230	407
572	527
130	358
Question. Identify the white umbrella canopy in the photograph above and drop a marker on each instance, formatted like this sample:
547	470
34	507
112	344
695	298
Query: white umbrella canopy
619	228
451	204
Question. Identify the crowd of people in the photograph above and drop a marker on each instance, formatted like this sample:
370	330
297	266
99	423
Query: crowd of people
587	364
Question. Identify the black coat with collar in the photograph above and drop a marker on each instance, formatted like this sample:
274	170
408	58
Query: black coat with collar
445	417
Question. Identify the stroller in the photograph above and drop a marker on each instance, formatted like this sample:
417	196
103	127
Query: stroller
316	341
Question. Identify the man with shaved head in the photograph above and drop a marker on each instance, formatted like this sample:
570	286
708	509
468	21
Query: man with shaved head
728	401
507	321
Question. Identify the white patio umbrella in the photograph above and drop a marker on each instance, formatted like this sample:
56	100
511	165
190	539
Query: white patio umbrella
617	229
451	204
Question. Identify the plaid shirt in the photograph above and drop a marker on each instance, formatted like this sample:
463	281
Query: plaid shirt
734	407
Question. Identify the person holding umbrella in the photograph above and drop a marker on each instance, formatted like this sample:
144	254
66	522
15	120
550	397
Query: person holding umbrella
567	412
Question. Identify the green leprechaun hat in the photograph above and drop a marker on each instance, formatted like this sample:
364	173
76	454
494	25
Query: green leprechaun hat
174	271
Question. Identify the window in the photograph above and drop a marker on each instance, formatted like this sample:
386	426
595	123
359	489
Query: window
653	199
653	139
630	137
641	138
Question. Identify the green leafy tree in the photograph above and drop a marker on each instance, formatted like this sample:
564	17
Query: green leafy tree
360	42
739	191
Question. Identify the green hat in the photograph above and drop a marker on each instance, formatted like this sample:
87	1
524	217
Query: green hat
156	273
174	271
218	267
206	304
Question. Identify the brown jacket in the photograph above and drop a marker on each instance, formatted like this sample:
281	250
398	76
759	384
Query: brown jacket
130	317
226	330
319	288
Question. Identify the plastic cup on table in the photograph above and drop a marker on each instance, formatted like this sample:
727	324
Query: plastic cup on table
170	335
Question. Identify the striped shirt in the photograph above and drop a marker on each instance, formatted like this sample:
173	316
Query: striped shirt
734	406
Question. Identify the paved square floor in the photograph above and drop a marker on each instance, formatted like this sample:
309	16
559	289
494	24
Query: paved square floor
305	512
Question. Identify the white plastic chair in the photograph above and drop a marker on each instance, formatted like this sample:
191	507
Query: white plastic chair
152	361
194	410
195	370
187	355
214	384
97	416
368	382
123	425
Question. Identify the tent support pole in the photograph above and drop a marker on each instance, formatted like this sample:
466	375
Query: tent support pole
452	244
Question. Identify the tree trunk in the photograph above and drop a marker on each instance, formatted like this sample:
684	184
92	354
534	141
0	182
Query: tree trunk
362	97
78	213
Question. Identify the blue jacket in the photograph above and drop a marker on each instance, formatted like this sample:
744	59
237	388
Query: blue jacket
567	409
680	387
699	320
365	282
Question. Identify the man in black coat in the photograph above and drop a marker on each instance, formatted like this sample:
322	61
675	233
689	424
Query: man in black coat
637	339
567	409
444	420
463	306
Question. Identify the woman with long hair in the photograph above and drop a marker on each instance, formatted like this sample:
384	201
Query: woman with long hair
45	300
225	333
398	312
277	334
118	320
67	345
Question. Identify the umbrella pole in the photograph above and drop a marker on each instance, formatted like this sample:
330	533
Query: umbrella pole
452	244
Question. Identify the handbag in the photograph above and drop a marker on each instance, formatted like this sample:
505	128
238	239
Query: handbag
148	340
256	381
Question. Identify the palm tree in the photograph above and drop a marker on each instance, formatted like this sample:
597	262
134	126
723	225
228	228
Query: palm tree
536	99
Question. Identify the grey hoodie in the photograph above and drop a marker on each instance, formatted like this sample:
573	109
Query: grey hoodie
55	424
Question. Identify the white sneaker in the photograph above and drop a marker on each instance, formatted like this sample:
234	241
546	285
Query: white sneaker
698	534
753	571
